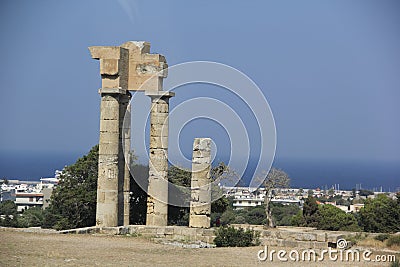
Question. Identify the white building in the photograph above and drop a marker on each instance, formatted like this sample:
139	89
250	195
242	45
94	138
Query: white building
240	202
7	187
351	208
245	197
25	200
287	200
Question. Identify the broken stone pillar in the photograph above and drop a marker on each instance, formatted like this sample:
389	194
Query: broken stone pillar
200	204
114	103
157	200
146	71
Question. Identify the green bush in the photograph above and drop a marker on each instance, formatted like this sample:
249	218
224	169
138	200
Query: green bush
382	237
394	240
283	214
380	215
231	237
31	217
396	263
354	239
298	219
213	217
239	220
335	219
255	215
228	217
62	224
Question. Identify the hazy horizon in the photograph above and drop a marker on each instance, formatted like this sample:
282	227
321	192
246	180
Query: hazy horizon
304	173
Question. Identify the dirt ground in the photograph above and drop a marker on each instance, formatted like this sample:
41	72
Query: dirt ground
39	249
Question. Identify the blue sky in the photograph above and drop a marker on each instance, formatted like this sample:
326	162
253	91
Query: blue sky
329	69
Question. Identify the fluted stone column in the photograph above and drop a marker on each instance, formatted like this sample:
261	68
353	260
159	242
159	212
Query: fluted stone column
200	204
125	141
157	201
114	103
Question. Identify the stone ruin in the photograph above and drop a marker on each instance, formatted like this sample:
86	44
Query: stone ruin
131	67
200	204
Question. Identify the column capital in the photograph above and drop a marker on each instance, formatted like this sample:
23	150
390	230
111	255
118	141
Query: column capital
160	94
131	66
114	67
112	91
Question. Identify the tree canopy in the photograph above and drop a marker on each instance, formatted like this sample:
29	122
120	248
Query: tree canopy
325	217
381	215
73	201
335	219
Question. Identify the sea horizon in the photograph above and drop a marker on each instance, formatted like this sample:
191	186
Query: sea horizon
304	173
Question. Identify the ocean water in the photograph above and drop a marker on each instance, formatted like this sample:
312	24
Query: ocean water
303	173
28	166
348	174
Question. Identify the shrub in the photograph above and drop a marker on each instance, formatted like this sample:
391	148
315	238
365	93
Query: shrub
283	213
227	217
393	241
354	239
256	216
382	237
231	237
396	263
9	221
31	217
298	219
380	215
62	224
335	219
240	220
214	216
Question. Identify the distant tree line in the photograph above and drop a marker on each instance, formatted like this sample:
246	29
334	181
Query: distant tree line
381	215
11	218
281	214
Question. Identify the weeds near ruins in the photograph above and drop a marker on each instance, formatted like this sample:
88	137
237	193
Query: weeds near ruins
231	237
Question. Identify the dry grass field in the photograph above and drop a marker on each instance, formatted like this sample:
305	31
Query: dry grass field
39	249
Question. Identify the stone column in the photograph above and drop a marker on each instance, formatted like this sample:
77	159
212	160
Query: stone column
125	159
114	101
200	204
157	201
122	68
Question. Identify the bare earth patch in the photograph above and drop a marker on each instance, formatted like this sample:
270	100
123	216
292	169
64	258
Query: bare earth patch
39	249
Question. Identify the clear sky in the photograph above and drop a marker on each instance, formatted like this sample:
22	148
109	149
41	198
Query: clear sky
329	69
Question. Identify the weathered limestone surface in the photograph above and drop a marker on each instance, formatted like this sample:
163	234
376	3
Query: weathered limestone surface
200	204
157	207
146	71
114	67
125	141
114	103
123	68
112	169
